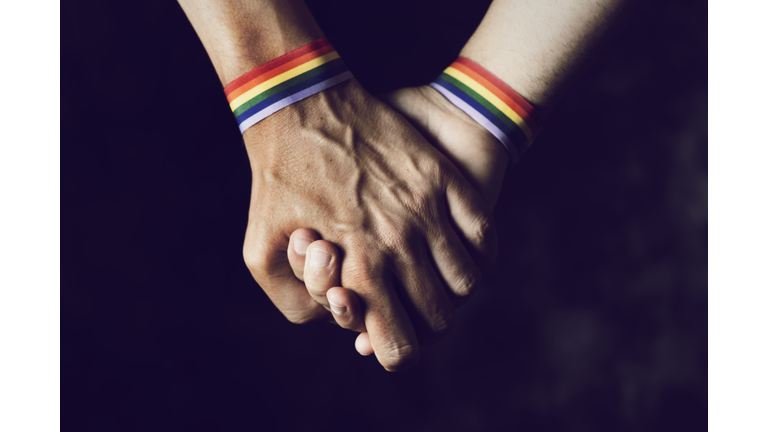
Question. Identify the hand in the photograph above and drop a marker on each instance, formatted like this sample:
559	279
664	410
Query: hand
474	151
478	155
411	228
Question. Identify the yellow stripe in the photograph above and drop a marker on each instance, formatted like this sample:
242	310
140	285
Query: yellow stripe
285	76
490	97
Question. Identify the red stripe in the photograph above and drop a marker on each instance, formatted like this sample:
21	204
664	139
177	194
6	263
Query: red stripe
278	70
501	85
298	52
491	87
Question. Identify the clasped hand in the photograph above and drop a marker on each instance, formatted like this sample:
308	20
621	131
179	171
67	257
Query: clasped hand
401	196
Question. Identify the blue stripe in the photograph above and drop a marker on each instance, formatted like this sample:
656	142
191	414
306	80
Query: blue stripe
517	136
289	91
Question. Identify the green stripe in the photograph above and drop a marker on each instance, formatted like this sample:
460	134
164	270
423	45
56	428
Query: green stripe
517	131
287	84
482	101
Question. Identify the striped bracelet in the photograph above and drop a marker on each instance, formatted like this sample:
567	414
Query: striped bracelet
285	80
490	102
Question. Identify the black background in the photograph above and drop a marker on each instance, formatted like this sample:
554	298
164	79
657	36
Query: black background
594	318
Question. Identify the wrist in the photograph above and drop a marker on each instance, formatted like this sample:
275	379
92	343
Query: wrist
476	152
250	49
486	146
240	35
271	87
319	112
491	103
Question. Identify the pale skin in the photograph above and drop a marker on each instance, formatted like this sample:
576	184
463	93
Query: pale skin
538	47
350	167
404	190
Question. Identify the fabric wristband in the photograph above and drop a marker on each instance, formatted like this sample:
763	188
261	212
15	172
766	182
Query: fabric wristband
285	80
490	102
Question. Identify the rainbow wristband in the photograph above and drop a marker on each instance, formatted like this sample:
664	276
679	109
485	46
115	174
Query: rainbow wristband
285	80
490	102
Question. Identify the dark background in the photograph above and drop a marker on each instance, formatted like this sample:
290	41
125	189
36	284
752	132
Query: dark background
594	318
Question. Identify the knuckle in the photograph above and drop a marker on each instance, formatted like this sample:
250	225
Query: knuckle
438	168
298	317
315	287
399	356
391	234
358	274
483	229
363	270
255	259
425	205
421	202
468	283
397	244
442	324
485	235
430	165
345	322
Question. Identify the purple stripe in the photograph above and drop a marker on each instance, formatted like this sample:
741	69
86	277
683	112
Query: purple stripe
476	116
282	103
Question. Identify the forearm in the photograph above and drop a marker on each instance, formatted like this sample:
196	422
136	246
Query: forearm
537	46
242	34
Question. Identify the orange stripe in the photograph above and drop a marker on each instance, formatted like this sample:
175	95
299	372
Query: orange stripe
499	93
283	59
277	71
501	85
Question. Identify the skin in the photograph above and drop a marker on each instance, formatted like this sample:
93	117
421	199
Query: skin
455	134
538	48
404	226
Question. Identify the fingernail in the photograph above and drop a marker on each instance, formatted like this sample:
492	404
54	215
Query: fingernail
320	258
338	310
300	245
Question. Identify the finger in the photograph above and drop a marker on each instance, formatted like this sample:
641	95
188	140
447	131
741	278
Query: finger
363	344
390	331
346	308
426	299
321	270
297	249
268	262
344	304
454	263
473	221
